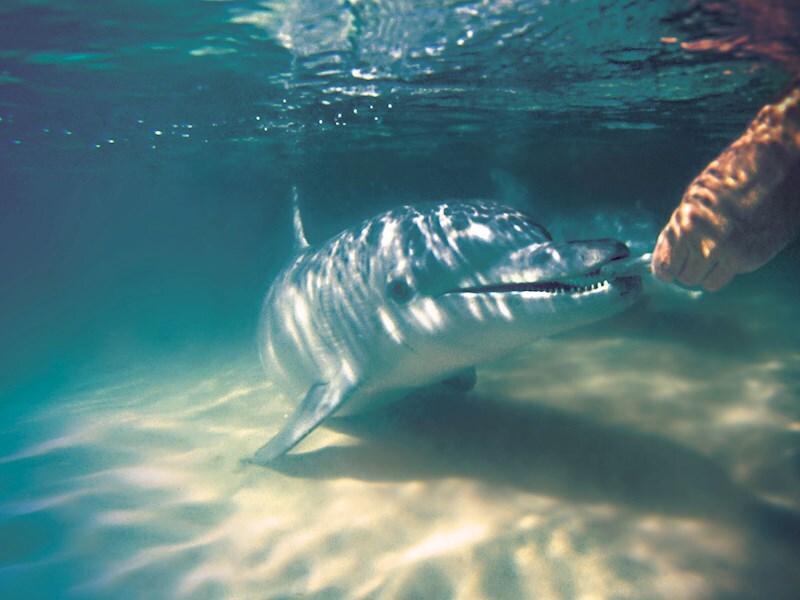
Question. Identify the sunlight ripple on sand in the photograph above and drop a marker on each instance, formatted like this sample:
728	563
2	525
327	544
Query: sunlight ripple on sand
605	466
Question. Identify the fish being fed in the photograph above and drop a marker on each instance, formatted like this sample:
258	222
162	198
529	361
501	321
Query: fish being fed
419	295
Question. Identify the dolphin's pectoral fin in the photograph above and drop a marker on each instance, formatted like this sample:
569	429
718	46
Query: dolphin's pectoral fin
320	401
463	381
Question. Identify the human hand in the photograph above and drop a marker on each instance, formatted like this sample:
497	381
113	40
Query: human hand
742	209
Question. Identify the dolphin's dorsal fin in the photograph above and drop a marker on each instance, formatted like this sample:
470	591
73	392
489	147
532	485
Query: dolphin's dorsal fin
300	241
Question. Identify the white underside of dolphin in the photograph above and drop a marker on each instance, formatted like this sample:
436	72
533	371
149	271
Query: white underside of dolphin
415	296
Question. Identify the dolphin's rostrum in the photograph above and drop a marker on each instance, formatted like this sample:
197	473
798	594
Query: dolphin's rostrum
417	295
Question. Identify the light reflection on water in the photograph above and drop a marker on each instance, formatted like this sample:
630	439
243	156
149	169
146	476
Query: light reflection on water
616	462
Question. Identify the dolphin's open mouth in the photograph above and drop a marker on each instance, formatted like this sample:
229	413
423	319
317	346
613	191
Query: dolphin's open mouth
625	284
621	273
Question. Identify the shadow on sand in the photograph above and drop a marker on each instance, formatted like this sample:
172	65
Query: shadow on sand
537	449
704	331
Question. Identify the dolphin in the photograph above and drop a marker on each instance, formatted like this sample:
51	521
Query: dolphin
419	295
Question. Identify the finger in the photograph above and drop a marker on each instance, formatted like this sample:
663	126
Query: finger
669	255
695	269
697	219
718	277
703	257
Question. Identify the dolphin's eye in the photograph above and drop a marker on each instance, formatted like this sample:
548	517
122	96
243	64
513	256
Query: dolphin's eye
399	290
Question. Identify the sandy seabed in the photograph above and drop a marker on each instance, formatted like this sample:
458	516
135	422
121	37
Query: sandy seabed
655	455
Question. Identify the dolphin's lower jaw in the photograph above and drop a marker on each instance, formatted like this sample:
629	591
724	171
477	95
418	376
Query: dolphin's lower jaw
497	318
628	285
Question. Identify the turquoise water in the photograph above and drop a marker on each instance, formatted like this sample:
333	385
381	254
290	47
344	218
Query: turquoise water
147	156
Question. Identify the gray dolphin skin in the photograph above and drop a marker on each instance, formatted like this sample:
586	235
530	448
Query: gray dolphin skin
415	296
